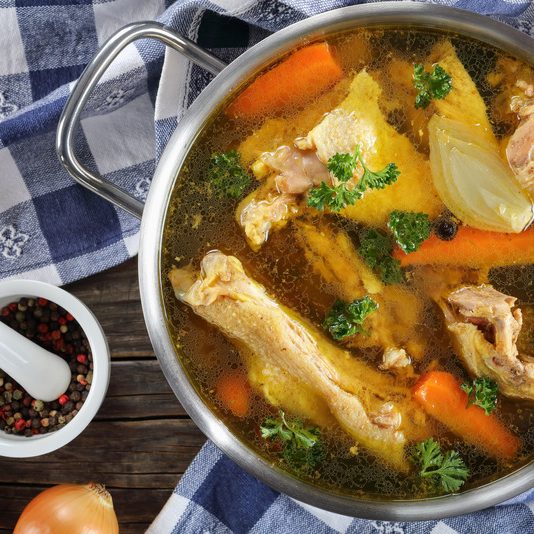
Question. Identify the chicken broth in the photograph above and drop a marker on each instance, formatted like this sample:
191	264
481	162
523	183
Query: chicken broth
417	316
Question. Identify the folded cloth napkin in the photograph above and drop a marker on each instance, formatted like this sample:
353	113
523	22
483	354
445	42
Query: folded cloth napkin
52	229
217	496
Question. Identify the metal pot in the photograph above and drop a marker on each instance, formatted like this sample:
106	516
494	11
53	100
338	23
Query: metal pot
229	77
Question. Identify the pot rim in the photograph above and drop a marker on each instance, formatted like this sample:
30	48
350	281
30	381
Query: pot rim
379	14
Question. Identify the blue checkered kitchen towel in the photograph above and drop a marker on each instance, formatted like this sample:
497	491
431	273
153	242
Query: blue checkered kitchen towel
53	230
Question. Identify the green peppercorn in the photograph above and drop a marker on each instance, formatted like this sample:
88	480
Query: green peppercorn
38	405
17	394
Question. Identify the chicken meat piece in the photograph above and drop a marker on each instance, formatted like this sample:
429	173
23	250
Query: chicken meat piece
520	149
484	326
394	358
297	171
338	132
364	403
359	120
464	102
264	210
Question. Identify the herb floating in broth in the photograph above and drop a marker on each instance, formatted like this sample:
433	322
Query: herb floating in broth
430	85
447	470
334	198
376	179
409	229
302	448
482	392
345	320
340	195
375	249
227	175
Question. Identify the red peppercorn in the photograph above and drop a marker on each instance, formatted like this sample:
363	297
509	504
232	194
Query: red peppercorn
69	317
56	334
42	302
5	312
42	328
82	358
62	320
63	399
20	424
12	306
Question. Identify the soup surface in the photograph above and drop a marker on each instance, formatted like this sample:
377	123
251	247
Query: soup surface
365	338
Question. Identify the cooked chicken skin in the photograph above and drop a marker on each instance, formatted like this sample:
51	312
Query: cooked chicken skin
484	327
520	149
226	297
394	358
264	210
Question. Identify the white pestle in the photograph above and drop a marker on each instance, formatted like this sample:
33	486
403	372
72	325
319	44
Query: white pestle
42	374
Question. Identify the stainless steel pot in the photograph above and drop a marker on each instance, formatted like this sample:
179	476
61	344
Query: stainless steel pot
384	14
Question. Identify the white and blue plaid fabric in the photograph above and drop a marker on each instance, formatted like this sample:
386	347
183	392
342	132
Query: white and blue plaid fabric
52	229
215	496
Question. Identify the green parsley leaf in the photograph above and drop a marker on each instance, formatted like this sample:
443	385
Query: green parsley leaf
345	320
376	179
342	166
375	249
409	229
482	392
302	448
333	197
447	469
226	173
435	85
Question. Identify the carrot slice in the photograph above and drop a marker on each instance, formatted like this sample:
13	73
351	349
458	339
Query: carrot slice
473	248
440	395
234	392
303	75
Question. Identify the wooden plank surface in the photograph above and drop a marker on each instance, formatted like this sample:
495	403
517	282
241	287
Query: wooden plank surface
141	440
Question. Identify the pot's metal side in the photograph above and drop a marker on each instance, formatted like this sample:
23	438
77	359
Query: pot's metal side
383	14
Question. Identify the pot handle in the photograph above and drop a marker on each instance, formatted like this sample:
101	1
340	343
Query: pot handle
88	80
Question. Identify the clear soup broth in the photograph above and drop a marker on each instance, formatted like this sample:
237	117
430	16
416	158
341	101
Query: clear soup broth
308	263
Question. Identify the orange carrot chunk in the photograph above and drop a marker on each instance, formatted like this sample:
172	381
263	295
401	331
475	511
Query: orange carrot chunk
441	396
303	75
233	391
473	248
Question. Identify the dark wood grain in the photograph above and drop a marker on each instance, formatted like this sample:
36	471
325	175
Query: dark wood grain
141	440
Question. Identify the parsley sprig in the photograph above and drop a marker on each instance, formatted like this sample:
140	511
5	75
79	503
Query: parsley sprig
340	195
346	319
430	85
375	249
482	392
302	447
448	470
409	229
227	174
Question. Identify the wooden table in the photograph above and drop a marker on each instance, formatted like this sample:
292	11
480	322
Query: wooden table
141	440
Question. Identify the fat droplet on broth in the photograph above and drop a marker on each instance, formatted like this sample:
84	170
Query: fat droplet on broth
198	221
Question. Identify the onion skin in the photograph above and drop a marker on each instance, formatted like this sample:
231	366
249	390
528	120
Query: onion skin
69	509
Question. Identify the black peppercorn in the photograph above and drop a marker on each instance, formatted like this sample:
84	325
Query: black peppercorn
445	228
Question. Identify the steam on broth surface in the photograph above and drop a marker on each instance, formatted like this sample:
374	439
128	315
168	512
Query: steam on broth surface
418	312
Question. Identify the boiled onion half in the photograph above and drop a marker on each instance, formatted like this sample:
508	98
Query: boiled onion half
475	184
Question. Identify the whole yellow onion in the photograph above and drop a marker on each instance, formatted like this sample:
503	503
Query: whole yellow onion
70	509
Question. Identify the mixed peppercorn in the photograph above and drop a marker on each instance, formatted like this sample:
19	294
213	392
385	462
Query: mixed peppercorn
56	330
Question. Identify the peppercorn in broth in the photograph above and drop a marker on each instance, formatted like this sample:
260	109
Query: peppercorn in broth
340	323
